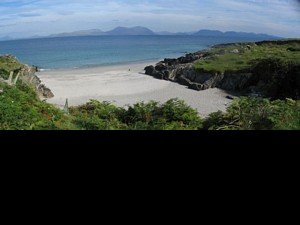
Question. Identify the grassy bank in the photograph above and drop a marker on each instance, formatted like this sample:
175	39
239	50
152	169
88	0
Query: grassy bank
244	57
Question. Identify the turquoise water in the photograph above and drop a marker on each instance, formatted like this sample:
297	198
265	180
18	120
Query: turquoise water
74	52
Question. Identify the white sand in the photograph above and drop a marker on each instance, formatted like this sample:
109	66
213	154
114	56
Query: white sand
122	87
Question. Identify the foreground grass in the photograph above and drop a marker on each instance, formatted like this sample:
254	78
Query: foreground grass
20	109
243	57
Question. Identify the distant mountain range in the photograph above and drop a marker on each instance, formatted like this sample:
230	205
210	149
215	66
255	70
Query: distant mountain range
119	31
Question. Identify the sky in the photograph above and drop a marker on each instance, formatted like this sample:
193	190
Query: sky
25	18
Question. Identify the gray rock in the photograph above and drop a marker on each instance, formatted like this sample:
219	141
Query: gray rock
197	87
235	81
45	92
230	97
149	70
161	66
184	81
235	51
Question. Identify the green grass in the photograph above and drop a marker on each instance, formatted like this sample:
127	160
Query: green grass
221	59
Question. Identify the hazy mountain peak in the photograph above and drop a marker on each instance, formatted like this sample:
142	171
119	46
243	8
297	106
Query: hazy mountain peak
138	30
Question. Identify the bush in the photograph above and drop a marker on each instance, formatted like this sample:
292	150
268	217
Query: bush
173	115
20	109
257	114
97	115
281	77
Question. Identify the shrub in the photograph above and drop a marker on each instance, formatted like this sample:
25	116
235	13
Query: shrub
97	115
257	114
280	76
173	115
20	109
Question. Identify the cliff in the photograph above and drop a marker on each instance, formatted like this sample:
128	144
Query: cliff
267	69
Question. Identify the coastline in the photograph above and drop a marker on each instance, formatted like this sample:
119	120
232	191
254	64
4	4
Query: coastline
121	86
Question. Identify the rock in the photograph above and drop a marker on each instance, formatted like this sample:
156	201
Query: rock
171	62
214	81
149	70
203	77
166	75
8	56
161	66
1	91
235	81
197	87
235	51
158	75
184	81
45	92
230	97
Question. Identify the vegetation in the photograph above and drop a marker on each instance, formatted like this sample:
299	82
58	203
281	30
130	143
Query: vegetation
244	57
8	64
21	109
256	114
173	115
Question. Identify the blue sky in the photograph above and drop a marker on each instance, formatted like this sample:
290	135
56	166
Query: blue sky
23	18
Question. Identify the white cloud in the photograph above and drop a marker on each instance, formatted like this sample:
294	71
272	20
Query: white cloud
40	17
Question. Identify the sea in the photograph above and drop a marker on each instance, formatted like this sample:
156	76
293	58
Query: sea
94	51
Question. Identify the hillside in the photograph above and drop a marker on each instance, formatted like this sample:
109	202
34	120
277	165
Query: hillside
93	32
130	31
267	69
233	34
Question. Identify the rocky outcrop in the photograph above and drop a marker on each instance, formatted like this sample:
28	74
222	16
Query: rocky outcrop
182	71
186	74
26	74
272	78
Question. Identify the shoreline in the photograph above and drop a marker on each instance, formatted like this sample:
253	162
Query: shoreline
103	66
122	87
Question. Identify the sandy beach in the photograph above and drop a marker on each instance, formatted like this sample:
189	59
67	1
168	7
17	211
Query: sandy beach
125	85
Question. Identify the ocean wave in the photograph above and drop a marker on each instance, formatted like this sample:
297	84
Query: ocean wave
43	70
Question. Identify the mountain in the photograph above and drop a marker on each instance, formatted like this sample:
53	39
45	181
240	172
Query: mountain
130	31
217	33
93	32
119	31
116	31
209	33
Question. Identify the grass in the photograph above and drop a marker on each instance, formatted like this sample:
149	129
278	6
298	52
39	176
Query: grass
7	65
222	59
